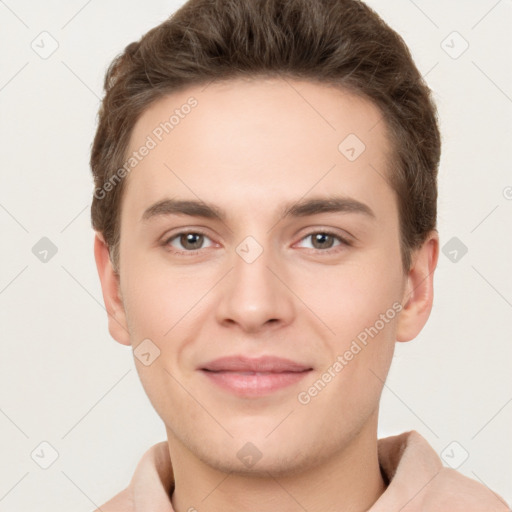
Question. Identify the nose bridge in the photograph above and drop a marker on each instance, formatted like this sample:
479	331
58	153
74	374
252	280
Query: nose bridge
252	294
251	266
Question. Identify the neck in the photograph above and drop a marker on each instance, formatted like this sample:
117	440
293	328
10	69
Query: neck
349	480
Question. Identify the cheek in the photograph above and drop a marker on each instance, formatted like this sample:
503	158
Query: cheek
350	298
159	307
160	298
360	305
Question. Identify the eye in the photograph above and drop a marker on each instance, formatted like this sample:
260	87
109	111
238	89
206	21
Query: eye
324	240
190	241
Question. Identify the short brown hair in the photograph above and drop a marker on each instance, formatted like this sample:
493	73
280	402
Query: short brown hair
337	42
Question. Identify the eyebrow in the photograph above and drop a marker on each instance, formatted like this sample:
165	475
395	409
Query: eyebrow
301	208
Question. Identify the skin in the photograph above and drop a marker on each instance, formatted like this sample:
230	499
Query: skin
250	147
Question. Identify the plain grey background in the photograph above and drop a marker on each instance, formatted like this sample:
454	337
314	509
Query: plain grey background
65	383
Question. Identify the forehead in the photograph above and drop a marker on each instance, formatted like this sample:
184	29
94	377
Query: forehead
250	143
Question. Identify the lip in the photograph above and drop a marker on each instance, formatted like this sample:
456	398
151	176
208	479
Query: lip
253	377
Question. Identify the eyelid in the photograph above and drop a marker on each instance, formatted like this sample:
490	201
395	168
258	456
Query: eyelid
340	233
346	241
168	237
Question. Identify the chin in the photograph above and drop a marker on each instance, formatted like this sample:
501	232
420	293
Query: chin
256	453
251	461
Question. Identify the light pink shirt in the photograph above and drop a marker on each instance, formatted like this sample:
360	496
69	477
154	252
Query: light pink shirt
418	482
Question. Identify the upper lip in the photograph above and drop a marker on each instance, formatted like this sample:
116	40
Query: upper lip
268	364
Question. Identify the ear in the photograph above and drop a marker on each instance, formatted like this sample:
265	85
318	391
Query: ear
117	325
419	289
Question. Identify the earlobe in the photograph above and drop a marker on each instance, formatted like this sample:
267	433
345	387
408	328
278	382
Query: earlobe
117	325
419	290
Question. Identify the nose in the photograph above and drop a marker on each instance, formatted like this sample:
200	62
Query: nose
255	295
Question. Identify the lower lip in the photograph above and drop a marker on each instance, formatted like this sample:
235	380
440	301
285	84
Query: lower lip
254	383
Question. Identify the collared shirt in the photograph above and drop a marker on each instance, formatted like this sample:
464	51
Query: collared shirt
418	482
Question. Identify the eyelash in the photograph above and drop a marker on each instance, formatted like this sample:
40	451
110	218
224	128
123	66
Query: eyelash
343	241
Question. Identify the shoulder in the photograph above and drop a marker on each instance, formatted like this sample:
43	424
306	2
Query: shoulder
419	481
453	491
121	502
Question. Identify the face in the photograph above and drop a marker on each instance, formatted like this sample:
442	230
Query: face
260	260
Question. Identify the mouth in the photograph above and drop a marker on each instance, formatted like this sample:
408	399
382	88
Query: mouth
246	377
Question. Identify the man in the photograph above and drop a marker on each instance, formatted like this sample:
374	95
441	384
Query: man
265	211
